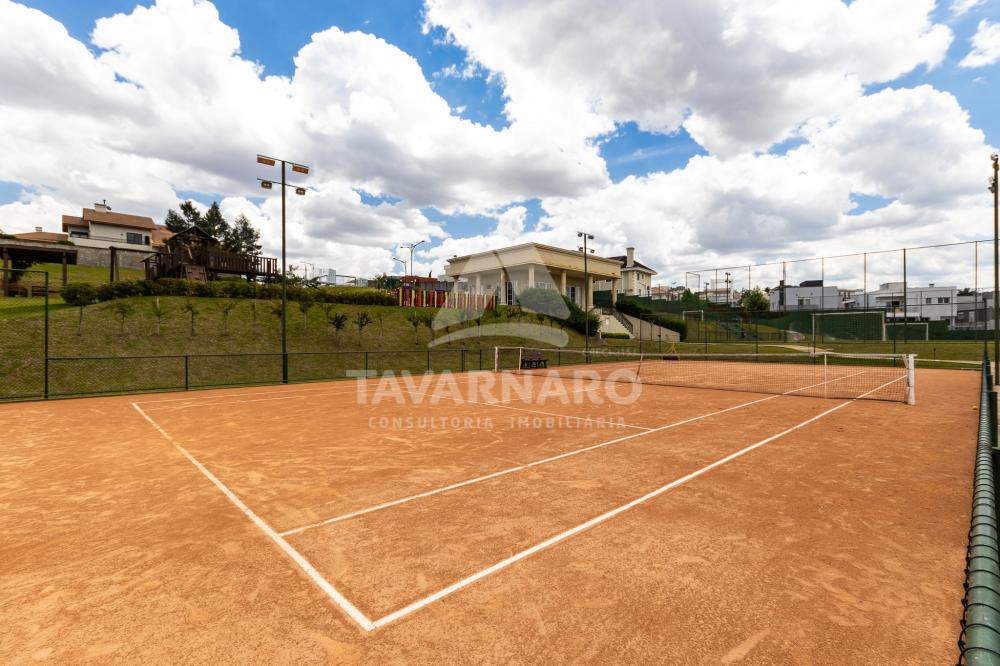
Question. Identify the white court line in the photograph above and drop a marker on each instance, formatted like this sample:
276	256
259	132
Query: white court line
542	461
535	411
562	536
332	592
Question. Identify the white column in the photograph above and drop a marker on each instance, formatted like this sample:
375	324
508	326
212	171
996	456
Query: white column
590	292
563	288
531	276
479	286
614	290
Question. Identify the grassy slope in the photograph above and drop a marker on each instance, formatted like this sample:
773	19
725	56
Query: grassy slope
92	274
245	333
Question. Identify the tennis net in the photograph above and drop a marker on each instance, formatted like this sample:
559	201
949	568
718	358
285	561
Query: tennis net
824	375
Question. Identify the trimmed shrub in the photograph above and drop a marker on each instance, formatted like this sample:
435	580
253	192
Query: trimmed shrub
616	336
631	306
79	293
233	289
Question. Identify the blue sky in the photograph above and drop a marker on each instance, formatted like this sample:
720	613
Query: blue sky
272	33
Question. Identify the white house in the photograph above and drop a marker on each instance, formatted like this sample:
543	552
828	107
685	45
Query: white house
100	227
808	295
636	277
930	303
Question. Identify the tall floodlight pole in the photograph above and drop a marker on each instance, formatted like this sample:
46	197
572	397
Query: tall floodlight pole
586	289
410	247
400	261
728	282
267	185
994	182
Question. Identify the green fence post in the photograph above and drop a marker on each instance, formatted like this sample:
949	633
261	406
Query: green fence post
187	384
45	369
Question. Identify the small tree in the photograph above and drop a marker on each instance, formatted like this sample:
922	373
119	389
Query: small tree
306	304
80	294
159	311
427	319
226	307
193	311
123	309
414	319
338	320
361	319
754	300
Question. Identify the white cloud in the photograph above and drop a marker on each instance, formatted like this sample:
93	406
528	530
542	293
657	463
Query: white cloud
738	76
985	46
960	7
169	105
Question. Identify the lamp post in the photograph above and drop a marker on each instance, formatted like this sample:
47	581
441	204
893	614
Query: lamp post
996	267
267	185
410	246
400	261
586	291
728	281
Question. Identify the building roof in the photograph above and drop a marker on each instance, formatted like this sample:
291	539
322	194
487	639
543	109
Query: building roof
110	218
636	265
552	248
44	236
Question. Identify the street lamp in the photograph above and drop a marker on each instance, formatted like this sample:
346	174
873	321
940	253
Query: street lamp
728	281
394	258
996	267
586	291
410	247
267	185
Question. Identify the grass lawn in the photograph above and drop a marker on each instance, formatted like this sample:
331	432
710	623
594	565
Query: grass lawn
251	328
92	274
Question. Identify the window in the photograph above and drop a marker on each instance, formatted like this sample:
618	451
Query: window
944	299
79	234
133	238
543	285
571	294
928	301
145	240
804	301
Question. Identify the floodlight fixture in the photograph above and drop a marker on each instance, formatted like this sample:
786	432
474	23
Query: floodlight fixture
263	159
300	191
298	168
266	184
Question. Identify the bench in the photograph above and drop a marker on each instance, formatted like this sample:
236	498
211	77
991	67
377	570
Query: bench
533	360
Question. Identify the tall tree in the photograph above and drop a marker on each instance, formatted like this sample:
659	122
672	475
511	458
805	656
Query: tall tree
214	223
175	222
242	237
190	213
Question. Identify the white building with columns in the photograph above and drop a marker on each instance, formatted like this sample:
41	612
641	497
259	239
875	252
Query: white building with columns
510	270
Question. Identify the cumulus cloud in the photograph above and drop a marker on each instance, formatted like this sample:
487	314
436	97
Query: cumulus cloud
165	103
985	46
959	7
738	76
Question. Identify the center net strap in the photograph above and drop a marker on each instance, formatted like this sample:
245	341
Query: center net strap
824	375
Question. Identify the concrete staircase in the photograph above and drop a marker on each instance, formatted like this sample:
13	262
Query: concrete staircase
644	330
611	324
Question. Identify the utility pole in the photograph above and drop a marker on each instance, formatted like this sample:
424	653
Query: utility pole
586	290
267	185
994	187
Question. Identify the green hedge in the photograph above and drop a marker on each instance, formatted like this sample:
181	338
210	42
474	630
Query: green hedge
223	289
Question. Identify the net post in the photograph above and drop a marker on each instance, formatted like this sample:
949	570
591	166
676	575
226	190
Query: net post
826	381
520	357
911	388
496	359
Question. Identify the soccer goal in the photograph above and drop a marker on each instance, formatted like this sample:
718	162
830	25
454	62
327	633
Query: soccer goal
862	325
693	314
909	330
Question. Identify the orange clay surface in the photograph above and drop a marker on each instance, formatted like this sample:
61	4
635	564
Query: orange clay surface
306	524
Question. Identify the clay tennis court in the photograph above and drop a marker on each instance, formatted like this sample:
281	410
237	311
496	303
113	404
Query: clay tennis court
331	522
